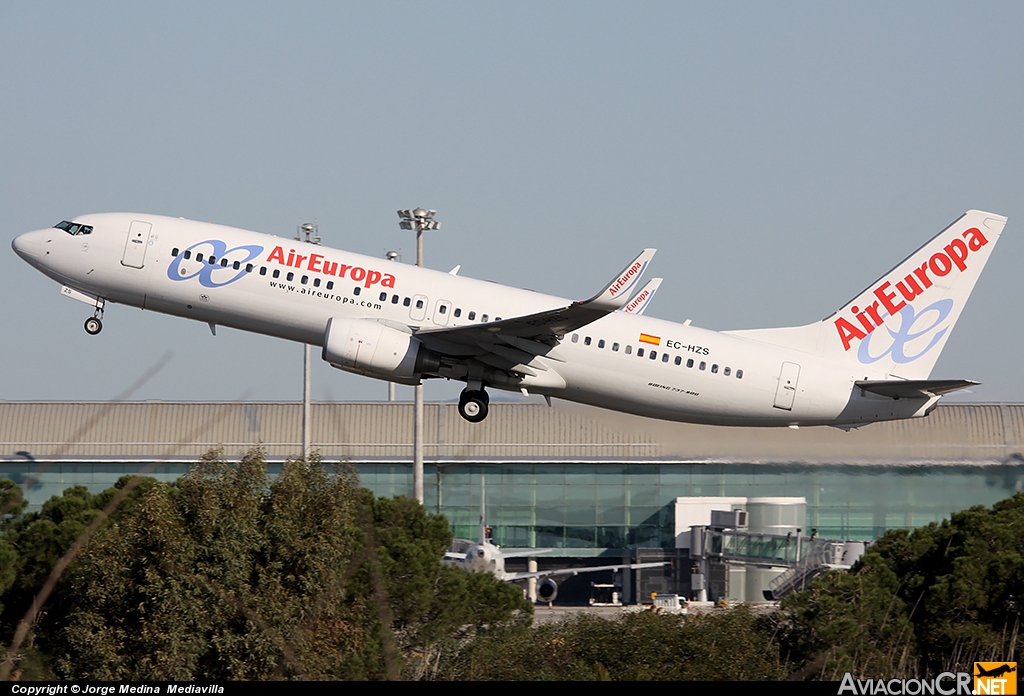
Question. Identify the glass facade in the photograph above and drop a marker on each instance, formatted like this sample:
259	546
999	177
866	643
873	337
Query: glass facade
586	508
612	506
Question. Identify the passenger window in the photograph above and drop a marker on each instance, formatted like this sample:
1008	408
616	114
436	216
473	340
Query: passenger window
419	304
236	265
442	309
224	263
406	302
330	284
679	360
600	344
483	317
654	355
575	338
639	352
263	270
394	299
174	251
383	297
689	363
305	280
212	260
249	267
199	257
615	347
664	357
586	341
714	369
316	282
472	316
726	371
629	350
458	312
188	254
277	272
356	290
703	365
739	374
290	276
497	318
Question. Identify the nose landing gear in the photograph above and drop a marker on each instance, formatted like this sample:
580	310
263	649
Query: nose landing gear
473	404
94	324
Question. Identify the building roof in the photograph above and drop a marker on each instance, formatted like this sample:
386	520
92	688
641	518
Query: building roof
382	431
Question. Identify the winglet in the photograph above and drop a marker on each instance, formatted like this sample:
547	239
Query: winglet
640	301
617	292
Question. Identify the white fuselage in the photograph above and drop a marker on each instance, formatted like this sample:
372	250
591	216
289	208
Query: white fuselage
289	289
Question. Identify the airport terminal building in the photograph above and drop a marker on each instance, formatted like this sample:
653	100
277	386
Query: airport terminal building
587	483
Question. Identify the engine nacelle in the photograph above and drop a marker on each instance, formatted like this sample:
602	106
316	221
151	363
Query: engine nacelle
547	590
370	348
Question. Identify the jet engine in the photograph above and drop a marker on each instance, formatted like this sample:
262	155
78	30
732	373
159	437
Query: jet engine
373	349
547	590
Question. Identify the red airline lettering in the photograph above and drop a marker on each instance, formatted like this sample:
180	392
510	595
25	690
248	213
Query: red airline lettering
940	264
319	264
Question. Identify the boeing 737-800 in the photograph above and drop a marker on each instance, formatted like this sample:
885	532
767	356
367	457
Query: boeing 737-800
869	361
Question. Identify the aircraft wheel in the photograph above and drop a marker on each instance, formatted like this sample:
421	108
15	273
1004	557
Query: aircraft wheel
93	326
473	405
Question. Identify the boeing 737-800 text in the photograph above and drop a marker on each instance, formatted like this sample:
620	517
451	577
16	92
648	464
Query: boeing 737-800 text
869	361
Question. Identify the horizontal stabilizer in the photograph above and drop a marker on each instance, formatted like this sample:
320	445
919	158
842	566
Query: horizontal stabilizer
914	388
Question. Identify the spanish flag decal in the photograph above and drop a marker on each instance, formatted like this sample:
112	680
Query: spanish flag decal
653	340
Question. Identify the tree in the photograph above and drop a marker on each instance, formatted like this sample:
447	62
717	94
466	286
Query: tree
226	575
924	601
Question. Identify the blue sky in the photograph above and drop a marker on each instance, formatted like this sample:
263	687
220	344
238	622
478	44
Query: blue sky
781	156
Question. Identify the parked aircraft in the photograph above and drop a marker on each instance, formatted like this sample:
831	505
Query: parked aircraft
870	360
483	556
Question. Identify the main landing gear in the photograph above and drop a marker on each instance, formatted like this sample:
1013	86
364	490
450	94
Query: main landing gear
473	404
94	324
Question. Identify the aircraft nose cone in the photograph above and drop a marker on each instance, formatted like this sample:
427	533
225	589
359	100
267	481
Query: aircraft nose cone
26	246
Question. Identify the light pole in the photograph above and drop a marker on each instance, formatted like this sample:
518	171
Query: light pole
392	256
418	219
306	232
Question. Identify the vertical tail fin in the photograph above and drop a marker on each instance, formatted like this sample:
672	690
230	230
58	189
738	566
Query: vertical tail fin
899	324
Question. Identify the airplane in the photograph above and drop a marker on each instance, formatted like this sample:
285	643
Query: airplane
483	556
868	361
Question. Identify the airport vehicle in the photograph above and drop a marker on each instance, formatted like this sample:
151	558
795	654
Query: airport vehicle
869	361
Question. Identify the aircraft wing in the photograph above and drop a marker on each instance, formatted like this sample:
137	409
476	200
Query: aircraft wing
914	388
537	333
526	552
512	577
638	305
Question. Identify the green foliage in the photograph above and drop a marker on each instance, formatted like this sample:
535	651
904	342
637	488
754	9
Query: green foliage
226	575
937	598
724	645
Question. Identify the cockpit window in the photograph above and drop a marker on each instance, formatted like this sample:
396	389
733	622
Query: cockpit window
73	228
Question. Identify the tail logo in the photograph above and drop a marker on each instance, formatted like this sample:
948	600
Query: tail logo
934	313
889	301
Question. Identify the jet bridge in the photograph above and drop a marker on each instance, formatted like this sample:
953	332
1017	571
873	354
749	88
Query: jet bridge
756	550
